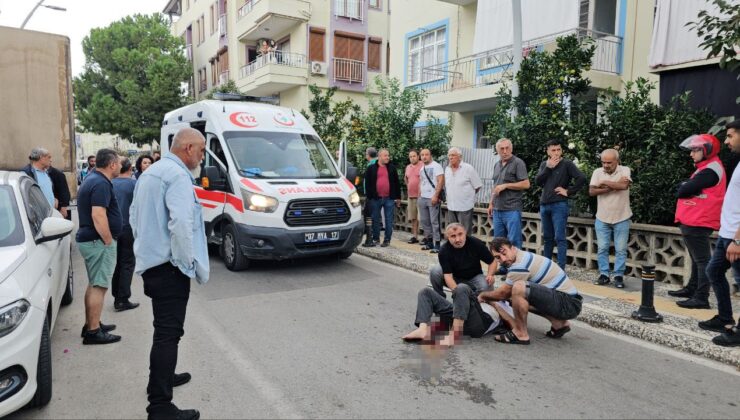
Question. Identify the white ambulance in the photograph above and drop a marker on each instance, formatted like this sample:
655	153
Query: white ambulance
268	187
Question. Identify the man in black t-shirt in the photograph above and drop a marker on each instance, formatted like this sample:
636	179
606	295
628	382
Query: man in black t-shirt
460	270
100	224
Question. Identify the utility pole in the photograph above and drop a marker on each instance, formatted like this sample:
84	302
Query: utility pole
516	49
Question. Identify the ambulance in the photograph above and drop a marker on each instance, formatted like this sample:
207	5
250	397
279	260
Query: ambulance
268	187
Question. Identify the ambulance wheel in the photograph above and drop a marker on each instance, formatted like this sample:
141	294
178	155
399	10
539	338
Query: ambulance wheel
231	250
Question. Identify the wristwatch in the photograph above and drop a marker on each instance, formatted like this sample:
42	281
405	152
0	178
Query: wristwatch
736	241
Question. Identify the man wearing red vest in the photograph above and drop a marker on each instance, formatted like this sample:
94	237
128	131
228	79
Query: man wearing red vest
697	213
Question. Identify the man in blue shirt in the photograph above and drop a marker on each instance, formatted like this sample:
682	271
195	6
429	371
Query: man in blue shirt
123	188
40	162
170	248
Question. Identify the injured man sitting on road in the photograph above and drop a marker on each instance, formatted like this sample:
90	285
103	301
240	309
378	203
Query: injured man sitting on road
533	284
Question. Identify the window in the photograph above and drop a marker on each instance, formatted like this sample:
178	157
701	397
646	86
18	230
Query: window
351	46
11	228
348	8
202	29
37	207
316	44
202	80
374	4
598	15
213	18
373	53
427	49
187	4
214	73
387	58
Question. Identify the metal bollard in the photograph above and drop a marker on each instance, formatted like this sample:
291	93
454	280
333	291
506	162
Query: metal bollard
647	313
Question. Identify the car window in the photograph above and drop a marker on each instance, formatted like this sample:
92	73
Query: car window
11	228
37	208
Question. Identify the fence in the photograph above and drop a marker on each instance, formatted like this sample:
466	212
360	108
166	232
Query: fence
282	58
347	70
661	246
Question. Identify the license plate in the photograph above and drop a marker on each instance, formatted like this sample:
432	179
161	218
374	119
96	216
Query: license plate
321	236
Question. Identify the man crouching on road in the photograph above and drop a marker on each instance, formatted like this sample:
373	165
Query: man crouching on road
170	248
533	284
460	270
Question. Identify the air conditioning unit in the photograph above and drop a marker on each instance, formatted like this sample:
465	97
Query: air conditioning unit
318	67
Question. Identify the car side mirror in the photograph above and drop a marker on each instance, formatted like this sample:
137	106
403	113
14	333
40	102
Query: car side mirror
212	179
53	228
351	173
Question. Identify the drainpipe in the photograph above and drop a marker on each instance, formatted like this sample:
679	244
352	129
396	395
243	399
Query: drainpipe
516	49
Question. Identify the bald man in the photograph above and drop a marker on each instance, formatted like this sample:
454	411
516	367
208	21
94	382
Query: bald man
610	184
170	249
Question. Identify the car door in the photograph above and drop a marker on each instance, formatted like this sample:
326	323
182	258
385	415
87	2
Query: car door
48	258
214	199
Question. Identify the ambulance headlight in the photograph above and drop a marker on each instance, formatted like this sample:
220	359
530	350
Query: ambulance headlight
354	199
259	202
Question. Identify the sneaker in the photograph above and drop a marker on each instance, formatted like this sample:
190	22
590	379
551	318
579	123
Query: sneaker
100	337
694	303
683	292
104	327
427	246
602	280
730	338
369	244
736	290
619	282
413	240
385	244
715	324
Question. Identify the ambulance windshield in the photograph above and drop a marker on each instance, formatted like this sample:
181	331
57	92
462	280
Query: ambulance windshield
279	155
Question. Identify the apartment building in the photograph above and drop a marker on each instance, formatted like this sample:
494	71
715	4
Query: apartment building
279	47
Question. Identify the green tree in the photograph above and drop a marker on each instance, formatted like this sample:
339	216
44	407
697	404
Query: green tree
228	87
721	34
133	74
332	120
550	106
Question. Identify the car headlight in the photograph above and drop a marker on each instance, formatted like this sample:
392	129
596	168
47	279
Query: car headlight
354	199
259	202
12	315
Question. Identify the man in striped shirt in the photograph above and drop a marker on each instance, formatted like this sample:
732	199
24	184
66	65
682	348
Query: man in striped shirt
533	284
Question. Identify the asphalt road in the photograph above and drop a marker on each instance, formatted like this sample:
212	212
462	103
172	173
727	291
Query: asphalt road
321	339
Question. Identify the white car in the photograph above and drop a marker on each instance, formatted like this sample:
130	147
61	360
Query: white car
35	279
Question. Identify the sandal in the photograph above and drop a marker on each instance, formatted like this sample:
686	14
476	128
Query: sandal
557	333
510	338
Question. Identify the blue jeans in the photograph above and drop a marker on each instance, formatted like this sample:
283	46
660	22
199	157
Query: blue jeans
508	224
621	233
387	205
716	272
554	218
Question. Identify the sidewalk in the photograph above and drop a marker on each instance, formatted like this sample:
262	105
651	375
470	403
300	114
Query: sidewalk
604	306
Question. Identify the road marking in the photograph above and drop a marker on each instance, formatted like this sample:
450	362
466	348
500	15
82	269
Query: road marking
269	391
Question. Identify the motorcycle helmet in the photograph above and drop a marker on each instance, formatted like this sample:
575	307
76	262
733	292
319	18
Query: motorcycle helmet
707	143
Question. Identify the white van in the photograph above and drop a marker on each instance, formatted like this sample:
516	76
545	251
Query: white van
268	186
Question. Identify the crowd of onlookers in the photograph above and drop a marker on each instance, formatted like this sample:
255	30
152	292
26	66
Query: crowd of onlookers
709	201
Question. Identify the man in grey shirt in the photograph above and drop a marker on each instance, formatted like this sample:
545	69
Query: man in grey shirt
510	179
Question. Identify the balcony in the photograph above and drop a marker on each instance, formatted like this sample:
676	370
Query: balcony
351	9
269	18
273	72
471	83
351	71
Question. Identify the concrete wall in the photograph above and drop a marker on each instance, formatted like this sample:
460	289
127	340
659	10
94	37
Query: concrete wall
36	106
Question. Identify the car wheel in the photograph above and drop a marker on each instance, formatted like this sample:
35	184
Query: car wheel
68	295
231	250
345	254
43	371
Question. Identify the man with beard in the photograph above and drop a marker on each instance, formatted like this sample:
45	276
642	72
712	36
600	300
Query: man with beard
533	284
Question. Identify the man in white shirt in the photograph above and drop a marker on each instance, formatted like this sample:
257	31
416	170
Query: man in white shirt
461	184
726	253
432	180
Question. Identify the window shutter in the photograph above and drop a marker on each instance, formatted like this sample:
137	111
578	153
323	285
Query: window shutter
316	45
373	53
341	47
357	49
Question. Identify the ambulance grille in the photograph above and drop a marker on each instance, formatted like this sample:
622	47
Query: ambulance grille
316	212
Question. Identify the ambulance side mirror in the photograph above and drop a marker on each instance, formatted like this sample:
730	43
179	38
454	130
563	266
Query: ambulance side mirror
212	179
351	172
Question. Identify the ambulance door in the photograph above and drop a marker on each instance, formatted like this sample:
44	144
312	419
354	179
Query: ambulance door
214	195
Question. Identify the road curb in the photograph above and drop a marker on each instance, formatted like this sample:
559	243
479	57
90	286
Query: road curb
664	334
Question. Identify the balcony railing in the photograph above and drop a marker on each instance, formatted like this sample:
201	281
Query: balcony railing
347	70
277	57
352	9
495	66
246	8
222	25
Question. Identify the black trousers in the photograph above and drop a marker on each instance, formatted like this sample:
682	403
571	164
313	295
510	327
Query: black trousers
169	290
697	243
125	263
